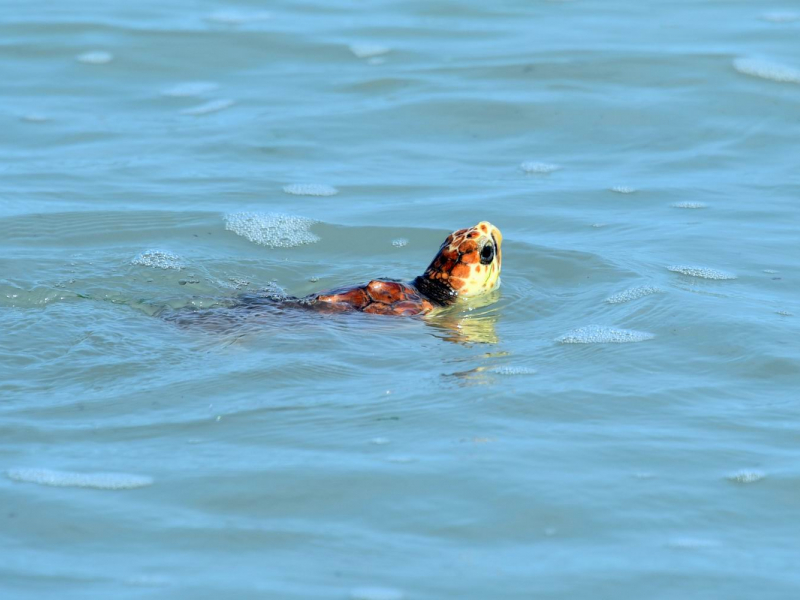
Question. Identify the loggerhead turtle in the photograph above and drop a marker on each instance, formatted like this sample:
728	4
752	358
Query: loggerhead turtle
467	265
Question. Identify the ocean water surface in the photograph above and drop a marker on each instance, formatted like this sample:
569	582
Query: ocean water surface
619	420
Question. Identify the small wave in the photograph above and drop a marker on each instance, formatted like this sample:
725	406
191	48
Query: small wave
272	230
767	70
597	334
238	17
100	481
746	476
368	50
190	89
702	272
159	259
35	118
690	205
208	107
624	189
376	593
633	293
781	17
511	371
310	189
96	57
539	168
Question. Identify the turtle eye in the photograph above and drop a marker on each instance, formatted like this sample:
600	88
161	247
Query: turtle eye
487	254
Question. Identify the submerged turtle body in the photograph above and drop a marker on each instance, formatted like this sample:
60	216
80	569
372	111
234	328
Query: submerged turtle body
467	264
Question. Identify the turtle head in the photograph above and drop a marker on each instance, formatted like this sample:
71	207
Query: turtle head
467	265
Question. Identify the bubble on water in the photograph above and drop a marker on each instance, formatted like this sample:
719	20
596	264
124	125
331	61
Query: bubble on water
634	293
399	242
598	334
746	476
238	17
208	107
376	593
368	50
781	17
35	118
190	89
272	230
765	69
96	57
624	189
101	481
310	189
158	259
512	371
539	168
702	272
691	205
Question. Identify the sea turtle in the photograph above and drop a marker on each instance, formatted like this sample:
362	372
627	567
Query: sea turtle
467	265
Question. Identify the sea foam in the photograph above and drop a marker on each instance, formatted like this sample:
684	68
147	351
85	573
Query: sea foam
310	189
100	481
272	230
598	334
702	272
765	69
158	259
634	293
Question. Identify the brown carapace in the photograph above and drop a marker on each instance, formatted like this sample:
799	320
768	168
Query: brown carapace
467	265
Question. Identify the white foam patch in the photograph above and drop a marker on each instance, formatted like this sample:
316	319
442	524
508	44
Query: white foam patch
376	593
208	107
746	476
400	242
690	205
238	17
100	481
158	259
539	168
598	334
35	118
190	89
272	230
624	189
702	272
96	57
765	69
368	50
693	543
310	189
512	371
781	17
634	293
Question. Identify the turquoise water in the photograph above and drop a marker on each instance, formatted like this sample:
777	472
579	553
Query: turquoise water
620	420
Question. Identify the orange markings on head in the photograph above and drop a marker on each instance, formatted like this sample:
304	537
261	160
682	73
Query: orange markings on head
461	271
467	247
